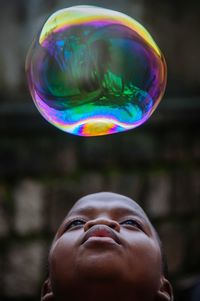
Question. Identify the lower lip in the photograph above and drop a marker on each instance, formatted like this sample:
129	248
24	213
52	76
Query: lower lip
100	240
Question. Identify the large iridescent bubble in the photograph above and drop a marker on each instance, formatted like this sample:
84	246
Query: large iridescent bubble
93	71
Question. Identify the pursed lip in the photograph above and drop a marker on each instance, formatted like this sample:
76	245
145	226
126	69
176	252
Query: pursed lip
101	231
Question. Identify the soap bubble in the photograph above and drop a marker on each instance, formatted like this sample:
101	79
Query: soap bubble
93	71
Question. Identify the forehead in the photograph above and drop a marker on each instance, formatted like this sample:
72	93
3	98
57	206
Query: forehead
107	202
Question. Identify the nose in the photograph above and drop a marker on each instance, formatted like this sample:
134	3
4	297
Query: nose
102	221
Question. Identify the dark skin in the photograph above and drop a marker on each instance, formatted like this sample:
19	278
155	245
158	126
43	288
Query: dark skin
106	249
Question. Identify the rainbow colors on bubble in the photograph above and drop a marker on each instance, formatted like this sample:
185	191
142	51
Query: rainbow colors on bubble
93	71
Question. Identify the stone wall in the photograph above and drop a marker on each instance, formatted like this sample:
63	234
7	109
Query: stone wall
43	170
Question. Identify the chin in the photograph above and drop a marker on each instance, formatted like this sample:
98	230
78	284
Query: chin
104	266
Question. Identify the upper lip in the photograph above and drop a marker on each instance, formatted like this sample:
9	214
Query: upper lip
101	231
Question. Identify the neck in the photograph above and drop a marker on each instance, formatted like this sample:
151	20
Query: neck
103	291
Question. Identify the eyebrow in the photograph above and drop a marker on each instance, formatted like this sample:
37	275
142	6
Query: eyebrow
125	210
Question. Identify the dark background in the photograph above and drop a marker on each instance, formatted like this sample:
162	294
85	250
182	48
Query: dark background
43	170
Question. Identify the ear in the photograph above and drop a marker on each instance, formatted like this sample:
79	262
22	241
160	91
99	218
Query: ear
46	292
165	292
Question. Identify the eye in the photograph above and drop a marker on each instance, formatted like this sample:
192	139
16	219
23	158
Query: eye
132	222
75	223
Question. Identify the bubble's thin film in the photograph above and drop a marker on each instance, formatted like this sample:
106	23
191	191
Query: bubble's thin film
92	71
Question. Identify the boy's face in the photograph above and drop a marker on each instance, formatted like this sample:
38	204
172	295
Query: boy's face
106	239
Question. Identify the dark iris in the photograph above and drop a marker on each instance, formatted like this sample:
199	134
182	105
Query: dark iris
133	223
75	223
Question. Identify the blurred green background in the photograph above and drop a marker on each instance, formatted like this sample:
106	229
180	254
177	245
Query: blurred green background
43	170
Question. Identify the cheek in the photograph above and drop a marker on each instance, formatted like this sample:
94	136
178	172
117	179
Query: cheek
144	258
62	258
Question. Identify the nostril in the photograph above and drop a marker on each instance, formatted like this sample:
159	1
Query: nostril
115	226
109	223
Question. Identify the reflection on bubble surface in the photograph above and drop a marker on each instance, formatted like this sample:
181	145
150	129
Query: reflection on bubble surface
93	71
